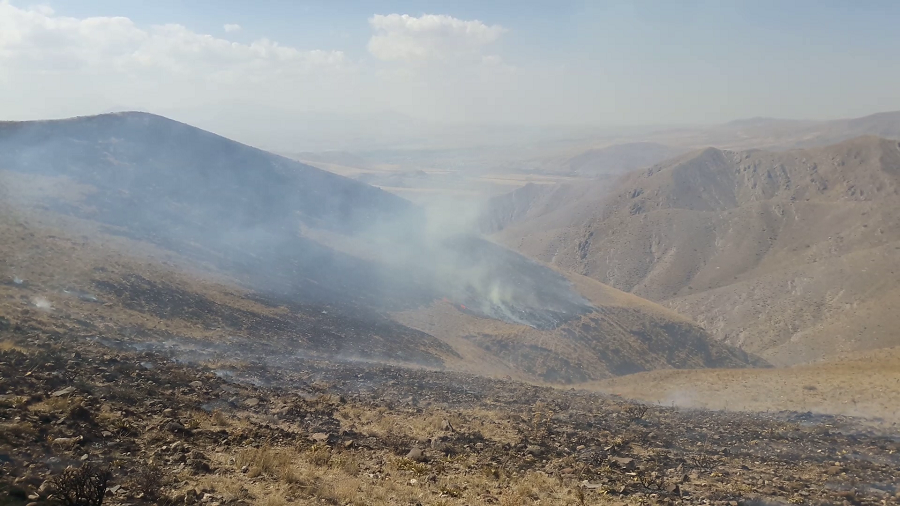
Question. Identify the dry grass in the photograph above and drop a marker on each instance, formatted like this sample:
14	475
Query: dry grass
319	475
409	425
865	385
8	345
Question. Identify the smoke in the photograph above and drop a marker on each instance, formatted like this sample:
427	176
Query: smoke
42	303
281	226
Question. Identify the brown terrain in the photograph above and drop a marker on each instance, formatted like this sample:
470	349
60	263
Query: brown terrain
860	384
188	389
788	255
152	426
615	154
276	357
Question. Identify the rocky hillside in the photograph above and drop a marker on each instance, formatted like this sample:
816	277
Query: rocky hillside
173	235
791	255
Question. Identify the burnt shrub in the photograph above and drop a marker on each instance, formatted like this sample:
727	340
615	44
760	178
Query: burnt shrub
83	486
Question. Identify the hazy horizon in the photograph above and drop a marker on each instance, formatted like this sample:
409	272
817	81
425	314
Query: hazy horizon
434	69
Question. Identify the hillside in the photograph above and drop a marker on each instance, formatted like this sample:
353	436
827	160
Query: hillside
190	239
790	255
775	134
610	160
860	385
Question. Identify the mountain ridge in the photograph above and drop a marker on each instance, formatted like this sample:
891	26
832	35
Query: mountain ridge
685	232
316	243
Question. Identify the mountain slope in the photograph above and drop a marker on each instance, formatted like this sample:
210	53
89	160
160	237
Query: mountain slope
790	255
331	252
861	385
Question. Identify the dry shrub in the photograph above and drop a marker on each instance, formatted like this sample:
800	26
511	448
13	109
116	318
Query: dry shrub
148	479
418	468
265	461
83	486
318	455
12	431
346	463
56	405
273	500
219	419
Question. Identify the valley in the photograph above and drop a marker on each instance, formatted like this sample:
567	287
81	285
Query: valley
314	338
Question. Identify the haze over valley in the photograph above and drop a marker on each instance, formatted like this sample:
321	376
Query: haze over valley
311	254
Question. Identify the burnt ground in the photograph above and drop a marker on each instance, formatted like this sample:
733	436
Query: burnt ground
225	427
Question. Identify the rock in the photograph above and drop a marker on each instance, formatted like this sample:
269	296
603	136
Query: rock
416	454
320	437
177	428
196	384
251	402
623	462
198	465
81	413
534	450
64	391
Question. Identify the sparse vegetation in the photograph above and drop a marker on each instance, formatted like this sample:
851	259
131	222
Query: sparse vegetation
81	486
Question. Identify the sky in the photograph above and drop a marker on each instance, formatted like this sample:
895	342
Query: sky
530	64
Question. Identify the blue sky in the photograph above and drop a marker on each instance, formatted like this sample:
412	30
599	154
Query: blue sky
529	63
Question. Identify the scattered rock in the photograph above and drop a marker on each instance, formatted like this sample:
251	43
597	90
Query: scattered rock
323	437
834	470
177	428
416	454
64	391
623	462
534	450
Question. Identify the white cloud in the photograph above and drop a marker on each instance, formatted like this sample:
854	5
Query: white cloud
231	27
429	37
56	66
36	39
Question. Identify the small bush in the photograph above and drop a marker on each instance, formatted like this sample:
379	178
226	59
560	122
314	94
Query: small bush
148	480
635	412
83	486
265	461
318	455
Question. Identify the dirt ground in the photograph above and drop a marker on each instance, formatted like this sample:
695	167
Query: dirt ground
217	429
862	385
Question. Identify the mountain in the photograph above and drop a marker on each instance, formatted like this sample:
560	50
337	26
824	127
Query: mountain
791	255
618	153
862	384
620	158
184	234
884	124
